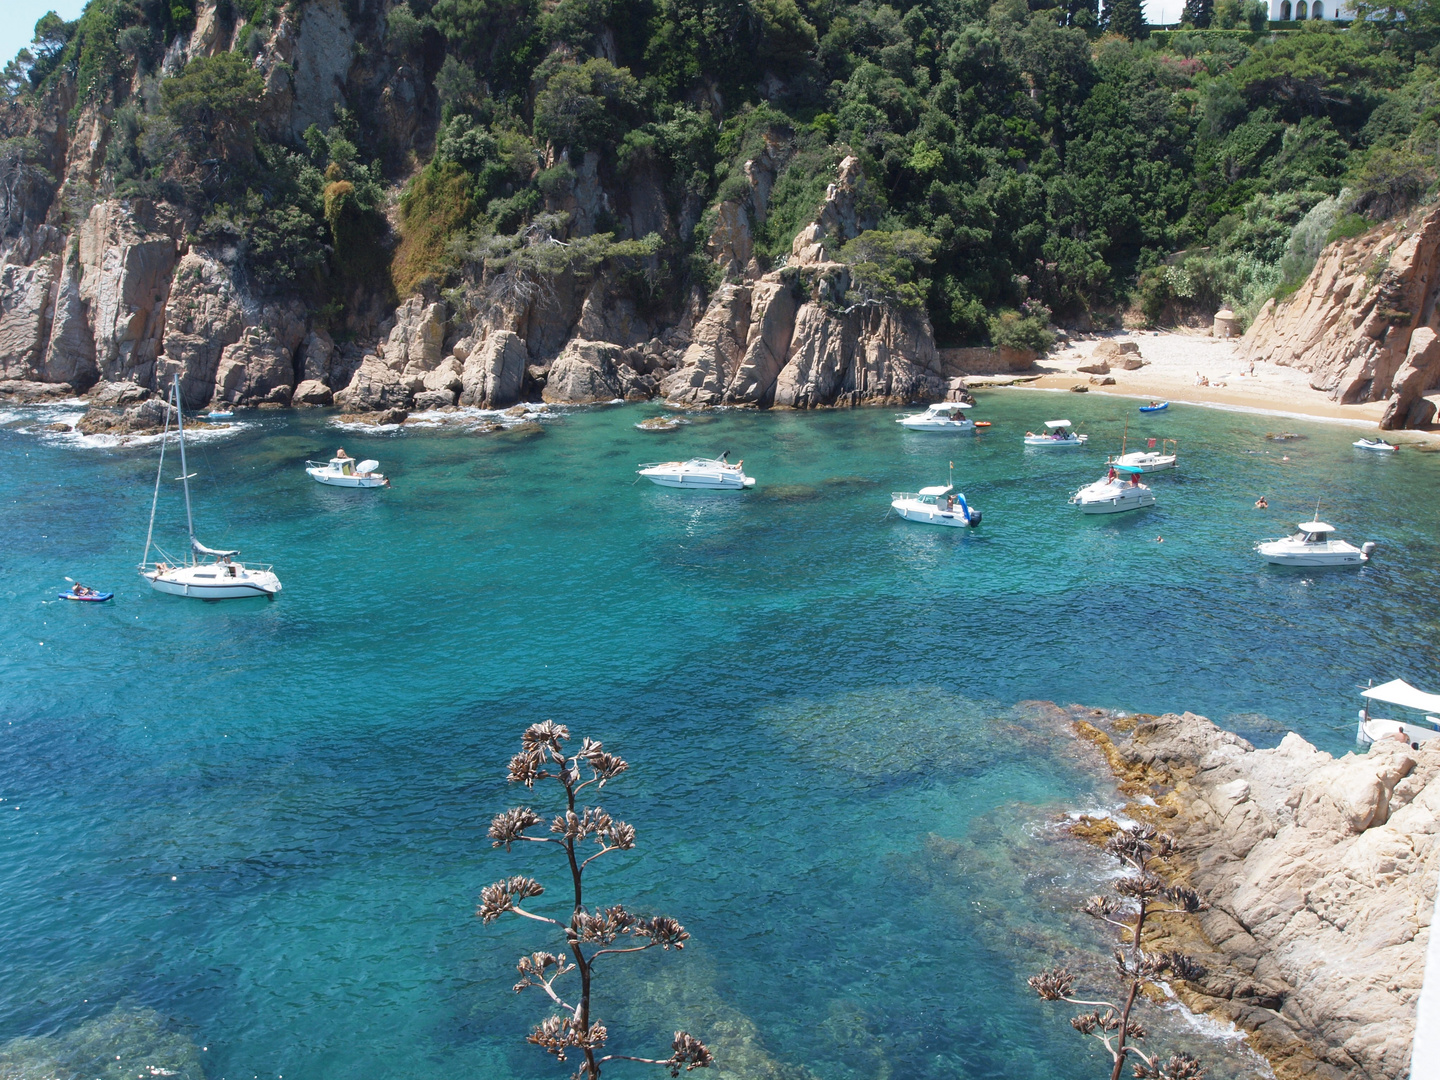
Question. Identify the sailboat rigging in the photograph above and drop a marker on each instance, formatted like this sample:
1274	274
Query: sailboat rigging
207	573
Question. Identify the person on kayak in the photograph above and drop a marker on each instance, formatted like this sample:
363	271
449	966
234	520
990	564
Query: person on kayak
82	590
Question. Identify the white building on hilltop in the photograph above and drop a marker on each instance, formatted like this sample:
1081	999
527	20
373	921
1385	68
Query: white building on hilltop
1303	10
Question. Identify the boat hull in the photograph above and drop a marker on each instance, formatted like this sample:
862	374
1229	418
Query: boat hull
1155	408
1147	463
1387	448
205	585
1114	505
1053	444
1377	728
1358	558
935	516
331	480
939	426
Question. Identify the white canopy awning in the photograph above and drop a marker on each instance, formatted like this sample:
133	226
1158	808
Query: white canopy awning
1315	527
1055	425
201	549
939	489
1399	692
950	406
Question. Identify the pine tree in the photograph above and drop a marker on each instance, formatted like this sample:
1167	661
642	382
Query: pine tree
1126	18
1198	13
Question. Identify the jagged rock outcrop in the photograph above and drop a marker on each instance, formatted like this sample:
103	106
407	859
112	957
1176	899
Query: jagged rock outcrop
1321	878
1352	323
374	387
417	341
127	251
312	392
589	371
762	345
203	319
24	317
494	373
255	370
848	211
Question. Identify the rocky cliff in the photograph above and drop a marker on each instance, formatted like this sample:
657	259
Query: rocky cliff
1320	873
98	290
1364	323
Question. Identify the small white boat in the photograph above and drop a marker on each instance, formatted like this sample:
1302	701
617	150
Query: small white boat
1145	460
225	414
1313	546
941	416
939	505
1148	461
1117	491
347	472
1057	433
1378	445
701	474
209	573
1412	729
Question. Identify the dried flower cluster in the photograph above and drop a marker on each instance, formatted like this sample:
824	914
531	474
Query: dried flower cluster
1140	894
589	934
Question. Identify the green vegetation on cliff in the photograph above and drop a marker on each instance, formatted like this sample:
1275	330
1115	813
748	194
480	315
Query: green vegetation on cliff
1023	158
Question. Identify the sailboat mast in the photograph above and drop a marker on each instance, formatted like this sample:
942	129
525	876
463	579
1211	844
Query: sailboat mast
184	471
155	499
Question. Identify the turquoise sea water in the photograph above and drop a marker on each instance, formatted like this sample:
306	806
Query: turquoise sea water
245	839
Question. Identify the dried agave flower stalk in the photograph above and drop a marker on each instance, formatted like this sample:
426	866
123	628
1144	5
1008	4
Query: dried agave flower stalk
1140	894
590	935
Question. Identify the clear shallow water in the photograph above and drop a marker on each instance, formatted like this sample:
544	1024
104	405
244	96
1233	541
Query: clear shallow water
246	838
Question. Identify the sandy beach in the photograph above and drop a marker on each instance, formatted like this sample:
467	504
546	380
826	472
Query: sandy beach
1175	360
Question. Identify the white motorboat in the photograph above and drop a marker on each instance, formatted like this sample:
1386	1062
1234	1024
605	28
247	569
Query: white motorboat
1313	545
699	474
1057	433
206	573
1378	445
939	505
345	471
1119	490
941	416
1411	729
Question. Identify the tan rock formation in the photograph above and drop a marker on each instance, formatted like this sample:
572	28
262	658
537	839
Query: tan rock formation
256	369
374	387
127	254
758	345
312	392
70	355
589	371
494	373
1351	323
203	318
24	316
848	211
416	343
731	244
1321	876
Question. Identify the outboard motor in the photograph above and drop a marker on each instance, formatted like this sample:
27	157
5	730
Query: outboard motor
973	518
1367	549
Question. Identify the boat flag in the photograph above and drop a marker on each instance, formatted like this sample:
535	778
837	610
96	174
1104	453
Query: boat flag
1151	444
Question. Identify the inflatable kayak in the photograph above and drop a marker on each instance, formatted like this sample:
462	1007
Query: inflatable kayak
89	597
1161	407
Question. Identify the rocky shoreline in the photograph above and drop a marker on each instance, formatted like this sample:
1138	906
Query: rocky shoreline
1320	873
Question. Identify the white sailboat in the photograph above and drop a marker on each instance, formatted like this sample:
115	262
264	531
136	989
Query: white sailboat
207	573
1114	493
